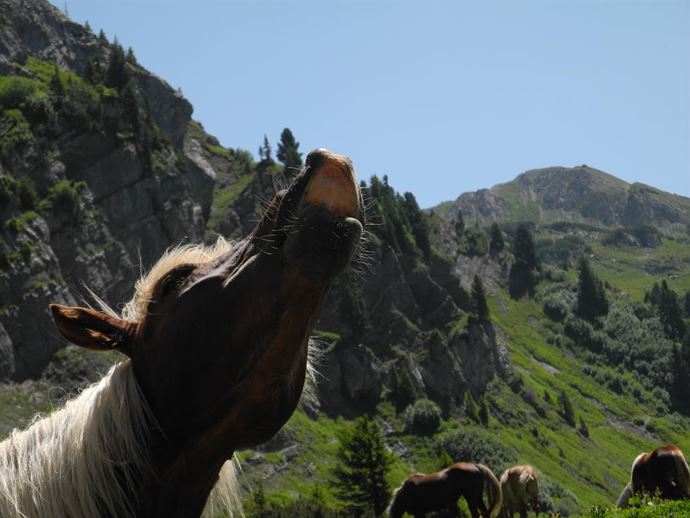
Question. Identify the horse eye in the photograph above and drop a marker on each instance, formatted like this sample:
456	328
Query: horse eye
173	280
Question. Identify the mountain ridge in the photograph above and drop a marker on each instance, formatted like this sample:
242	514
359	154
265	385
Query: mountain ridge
576	194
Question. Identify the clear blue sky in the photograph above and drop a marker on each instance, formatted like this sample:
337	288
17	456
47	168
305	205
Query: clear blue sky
442	96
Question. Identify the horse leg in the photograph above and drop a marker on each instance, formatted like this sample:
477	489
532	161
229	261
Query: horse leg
523	510
473	508
482	508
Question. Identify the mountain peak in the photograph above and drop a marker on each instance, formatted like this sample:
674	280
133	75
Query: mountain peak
578	194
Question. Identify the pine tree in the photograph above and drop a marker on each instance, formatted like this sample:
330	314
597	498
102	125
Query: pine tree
265	151
497	244
287	152
591	296
420	229
522	279
471	408
102	38
362	464
478	299
670	313
583	428
131	58
57	91
116	75
680	386
459	224
686	304
566	408
483	411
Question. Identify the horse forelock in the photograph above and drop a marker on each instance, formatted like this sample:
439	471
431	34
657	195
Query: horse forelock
135	309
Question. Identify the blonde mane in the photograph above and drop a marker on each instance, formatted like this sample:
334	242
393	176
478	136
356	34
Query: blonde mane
87	458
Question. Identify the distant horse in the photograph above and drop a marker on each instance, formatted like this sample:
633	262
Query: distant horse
520	487
663	470
217	346
440	491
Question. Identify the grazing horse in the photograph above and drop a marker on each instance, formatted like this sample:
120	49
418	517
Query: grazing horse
519	486
217	346
440	491
664	470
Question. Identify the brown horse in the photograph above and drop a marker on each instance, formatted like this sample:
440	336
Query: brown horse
440	491
664	470
520	487
217	347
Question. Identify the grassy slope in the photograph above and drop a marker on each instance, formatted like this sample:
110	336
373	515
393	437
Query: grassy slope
595	469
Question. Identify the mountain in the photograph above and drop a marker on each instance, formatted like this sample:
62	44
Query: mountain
579	194
102	168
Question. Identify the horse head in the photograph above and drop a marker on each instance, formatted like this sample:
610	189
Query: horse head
219	346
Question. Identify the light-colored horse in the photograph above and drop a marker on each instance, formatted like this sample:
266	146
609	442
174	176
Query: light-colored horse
663	471
520	487
216	340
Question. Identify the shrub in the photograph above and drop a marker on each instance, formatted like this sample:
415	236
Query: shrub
555	500
476	445
556	307
423	417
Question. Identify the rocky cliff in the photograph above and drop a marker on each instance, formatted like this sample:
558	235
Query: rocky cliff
84	203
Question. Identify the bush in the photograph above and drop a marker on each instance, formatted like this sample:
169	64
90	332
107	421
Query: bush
422	418
556	307
554	499
476	445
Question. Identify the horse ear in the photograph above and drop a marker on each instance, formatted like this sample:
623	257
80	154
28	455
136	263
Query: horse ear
92	329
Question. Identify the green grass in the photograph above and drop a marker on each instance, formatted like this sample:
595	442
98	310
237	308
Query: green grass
648	508
634	270
595	469
223	198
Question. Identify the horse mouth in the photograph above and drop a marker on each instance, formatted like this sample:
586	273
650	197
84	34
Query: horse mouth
321	216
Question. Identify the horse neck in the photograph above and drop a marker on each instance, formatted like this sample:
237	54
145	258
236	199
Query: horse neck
186	483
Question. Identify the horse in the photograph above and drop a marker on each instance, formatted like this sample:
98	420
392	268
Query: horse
520	486
216	346
440	491
663	471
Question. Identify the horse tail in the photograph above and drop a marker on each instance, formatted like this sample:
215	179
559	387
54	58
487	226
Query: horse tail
683	473
494	488
625	496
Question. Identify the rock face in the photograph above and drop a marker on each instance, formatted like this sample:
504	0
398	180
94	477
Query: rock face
580	194
86	209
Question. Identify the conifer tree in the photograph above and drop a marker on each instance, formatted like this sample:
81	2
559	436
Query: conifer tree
670	313
483	411
680	387
57	91
591	296
420	230
265	151
686	304
583	428
362	464
131	58
478	299
116	75
471	408
566	408
497	244
459	223
523	273
288	151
